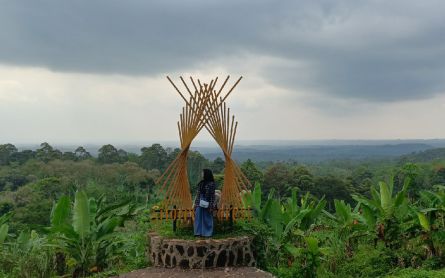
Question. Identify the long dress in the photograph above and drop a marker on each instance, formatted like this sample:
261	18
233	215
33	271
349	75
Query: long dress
203	225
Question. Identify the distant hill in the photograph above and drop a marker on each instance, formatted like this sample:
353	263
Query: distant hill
321	153
307	151
424	156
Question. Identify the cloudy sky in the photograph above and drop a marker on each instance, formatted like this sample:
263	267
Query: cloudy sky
94	71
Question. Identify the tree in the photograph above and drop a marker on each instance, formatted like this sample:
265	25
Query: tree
47	153
6	153
277	177
361	180
439	176
302	178
412	172
69	156
196	162
32	203
23	156
123	155
154	157
81	153
172	154
217	165
108	154
332	188
12	178
252	172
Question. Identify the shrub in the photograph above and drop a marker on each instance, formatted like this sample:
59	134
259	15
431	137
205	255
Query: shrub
367	262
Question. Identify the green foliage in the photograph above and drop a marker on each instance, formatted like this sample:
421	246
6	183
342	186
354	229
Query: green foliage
81	153
91	238
31	204
263	245
306	223
306	260
28	255
252	172
366	262
47	153
196	162
417	273
284	226
6	153
217	166
108	154
3	233
386	210
154	157
277	177
331	188
347	225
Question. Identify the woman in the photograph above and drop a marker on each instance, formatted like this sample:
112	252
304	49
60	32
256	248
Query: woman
204	205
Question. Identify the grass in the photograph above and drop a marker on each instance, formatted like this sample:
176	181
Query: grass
418	273
185	231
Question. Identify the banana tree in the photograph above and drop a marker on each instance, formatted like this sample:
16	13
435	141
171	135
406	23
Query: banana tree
431	219
385	210
270	212
290	220
89	237
434	205
3	234
346	223
309	256
252	199
4	227
302	215
292	214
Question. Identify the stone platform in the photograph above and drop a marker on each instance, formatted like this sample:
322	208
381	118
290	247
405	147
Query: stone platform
224	272
200	253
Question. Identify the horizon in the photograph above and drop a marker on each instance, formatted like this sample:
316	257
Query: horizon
280	150
201	144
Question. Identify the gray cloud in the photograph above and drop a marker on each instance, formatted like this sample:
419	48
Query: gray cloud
371	50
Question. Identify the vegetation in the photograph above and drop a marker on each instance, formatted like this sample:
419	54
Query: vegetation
72	214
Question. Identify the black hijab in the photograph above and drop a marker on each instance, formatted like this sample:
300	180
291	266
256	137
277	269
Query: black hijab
208	176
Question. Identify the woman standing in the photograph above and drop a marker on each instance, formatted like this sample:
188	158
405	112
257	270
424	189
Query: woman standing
204	205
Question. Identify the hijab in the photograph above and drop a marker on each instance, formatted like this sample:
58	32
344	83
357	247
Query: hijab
208	176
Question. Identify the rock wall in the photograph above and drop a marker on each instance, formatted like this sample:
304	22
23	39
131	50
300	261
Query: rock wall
205	253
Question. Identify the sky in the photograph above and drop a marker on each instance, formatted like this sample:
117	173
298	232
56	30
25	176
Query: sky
95	71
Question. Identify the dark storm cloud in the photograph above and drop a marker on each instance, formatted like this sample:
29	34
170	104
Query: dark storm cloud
372	50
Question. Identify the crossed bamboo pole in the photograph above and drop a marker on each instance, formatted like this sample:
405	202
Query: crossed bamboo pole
205	108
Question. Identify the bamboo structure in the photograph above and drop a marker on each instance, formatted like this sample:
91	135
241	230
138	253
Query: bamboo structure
204	108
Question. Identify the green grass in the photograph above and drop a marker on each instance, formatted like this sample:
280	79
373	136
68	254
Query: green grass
418	273
185	231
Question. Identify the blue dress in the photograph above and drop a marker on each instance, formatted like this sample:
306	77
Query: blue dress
203	225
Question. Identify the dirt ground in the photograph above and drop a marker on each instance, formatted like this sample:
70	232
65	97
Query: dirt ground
154	272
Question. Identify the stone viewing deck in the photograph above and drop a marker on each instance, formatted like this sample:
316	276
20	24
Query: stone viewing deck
200	253
227	272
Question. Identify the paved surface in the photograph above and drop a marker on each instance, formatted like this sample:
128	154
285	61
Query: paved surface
154	272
